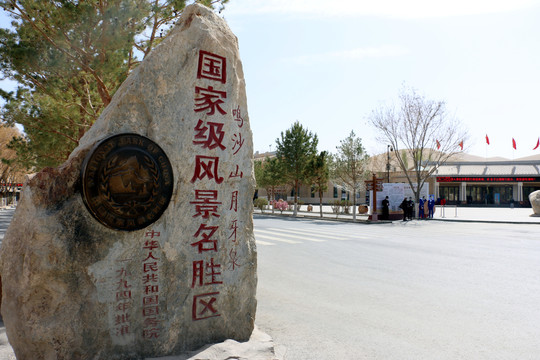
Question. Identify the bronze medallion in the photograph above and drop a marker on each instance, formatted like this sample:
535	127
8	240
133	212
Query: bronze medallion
127	182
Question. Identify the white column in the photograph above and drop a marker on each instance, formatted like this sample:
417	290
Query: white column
436	190
463	195
519	193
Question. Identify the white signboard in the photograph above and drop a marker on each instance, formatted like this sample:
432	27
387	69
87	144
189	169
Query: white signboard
396	192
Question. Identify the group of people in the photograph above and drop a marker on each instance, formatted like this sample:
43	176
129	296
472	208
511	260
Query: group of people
431	207
407	205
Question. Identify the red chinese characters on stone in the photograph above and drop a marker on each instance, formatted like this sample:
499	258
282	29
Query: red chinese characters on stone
209	100
206	203
206	167
233	227
237	173
150	279
205	306
206	243
150	256
122	330
151	300
151	234
209	136
234	201
233	260
209	277
238	142
150	267
122	324
237	116
150	332
212	66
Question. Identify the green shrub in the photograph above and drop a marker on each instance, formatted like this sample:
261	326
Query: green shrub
346	204
336	206
260	203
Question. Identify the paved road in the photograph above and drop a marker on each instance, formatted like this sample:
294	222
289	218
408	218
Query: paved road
414	290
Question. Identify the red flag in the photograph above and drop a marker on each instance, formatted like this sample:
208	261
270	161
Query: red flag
537	144
487	139
438	144
461	144
514	144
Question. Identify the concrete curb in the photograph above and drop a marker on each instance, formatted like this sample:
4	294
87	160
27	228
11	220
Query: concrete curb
369	222
325	218
489	221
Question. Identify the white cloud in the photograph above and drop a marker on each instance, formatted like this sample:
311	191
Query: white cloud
382	8
348	55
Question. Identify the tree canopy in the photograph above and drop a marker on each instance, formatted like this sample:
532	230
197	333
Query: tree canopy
294	150
349	166
318	175
69	57
269	175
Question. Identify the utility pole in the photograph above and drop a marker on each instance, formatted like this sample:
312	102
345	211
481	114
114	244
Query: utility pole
388	149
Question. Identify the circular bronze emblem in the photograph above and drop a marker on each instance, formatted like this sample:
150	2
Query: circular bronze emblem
127	182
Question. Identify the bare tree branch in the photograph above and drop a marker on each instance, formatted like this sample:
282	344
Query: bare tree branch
413	130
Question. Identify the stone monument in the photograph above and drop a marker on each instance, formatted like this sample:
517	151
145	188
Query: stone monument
141	244
534	199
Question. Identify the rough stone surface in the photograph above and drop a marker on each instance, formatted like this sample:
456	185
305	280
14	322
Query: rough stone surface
259	347
534	199
75	289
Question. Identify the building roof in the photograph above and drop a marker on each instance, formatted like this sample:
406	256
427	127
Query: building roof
490	168
463	164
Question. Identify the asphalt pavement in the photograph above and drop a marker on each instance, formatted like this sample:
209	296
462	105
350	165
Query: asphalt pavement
442	290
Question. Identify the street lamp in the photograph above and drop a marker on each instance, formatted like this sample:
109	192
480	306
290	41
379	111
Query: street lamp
388	149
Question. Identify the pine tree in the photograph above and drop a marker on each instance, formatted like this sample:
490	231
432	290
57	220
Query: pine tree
317	172
69	58
269	175
296	147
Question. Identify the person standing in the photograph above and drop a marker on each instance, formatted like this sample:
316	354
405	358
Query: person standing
404	206
421	203
386	208
431	206
411	208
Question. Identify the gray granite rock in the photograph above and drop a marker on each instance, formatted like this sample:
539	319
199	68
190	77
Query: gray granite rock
534	199
76	289
259	347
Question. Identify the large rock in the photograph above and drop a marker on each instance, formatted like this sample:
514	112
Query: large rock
259	347
534	199
74	288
